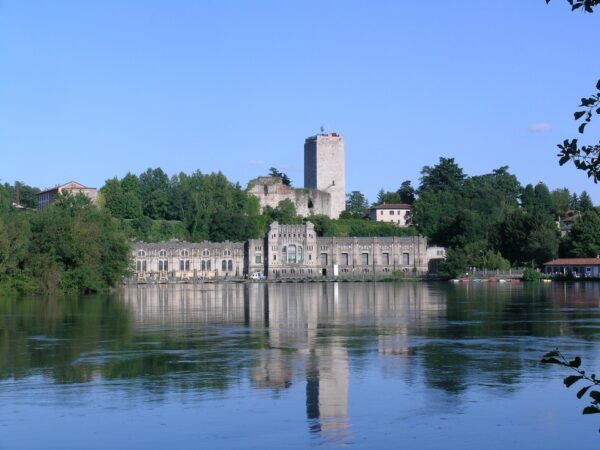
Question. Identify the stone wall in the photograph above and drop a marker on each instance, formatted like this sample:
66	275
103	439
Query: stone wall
270	191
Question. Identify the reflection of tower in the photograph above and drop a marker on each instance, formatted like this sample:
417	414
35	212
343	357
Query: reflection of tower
324	168
327	391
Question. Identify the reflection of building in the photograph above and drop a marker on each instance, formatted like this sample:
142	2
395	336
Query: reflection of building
286	251
396	213
48	196
294	336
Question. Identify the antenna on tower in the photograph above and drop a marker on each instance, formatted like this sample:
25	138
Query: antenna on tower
322	128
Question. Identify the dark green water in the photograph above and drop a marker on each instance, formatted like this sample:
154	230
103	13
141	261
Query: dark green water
372	365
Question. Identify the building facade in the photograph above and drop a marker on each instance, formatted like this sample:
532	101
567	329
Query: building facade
396	213
49	196
325	168
575	267
286	251
185	261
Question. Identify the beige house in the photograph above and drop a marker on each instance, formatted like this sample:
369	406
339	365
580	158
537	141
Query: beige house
48	196
396	213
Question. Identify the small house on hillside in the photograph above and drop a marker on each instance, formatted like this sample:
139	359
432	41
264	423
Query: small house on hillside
396	213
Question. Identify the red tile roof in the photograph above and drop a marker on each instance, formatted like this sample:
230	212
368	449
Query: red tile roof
574	262
393	206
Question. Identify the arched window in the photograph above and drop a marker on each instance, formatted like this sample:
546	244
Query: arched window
141	253
162	253
227	252
185	253
291	254
205	252
230	265
224	265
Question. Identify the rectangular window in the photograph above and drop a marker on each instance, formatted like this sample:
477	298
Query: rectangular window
391	213
163	265
323	259
224	265
344	259
184	265
230	266
203	265
406	259
208	265
258	259
365	259
385	259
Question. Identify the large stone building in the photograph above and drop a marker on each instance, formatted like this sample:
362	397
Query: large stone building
286	251
48	196
324	189
325	168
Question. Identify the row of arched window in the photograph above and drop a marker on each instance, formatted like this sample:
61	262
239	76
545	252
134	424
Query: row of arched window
184	253
184	265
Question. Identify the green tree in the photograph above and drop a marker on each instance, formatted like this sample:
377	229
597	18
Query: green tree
357	205
561	201
444	176
273	172
285	212
585	202
584	239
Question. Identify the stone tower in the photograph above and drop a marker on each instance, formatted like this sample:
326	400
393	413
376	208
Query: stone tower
324	168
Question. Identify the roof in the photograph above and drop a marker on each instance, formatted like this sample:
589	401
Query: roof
392	206
69	185
574	262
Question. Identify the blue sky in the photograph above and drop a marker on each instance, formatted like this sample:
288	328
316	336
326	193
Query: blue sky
90	90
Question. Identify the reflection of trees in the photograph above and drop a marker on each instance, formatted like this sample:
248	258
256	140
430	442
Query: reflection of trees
47	336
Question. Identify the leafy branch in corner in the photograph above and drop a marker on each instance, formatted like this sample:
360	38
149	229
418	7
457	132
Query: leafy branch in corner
588	5
586	157
556	357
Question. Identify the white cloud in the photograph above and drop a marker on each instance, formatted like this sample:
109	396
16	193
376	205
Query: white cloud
539	127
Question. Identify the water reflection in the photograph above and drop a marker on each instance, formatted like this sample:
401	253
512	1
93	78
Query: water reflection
298	332
319	339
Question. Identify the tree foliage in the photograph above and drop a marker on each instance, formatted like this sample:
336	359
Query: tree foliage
357	205
277	173
69	246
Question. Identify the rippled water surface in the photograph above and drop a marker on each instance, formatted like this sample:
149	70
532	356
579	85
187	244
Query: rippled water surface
366	365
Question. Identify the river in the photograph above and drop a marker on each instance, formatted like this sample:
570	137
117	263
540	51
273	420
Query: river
325	365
